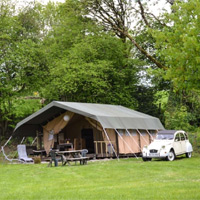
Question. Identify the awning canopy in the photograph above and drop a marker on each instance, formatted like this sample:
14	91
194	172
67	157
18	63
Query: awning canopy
109	116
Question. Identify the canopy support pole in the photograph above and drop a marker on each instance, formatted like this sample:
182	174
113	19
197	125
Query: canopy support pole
2	149
142	136
110	143
133	139
125	143
150	135
34	141
22	140
6	157
6	143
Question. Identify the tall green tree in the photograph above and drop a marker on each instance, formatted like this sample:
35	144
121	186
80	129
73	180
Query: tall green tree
87	64
22	63
179	45
126	19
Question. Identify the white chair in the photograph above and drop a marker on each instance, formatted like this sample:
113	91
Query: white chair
21	149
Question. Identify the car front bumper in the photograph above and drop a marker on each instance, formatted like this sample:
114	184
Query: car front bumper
161	154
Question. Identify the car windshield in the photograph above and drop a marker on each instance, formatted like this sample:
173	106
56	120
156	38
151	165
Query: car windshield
164	136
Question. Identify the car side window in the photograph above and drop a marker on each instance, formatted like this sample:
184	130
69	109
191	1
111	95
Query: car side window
182	137
186	137
177	138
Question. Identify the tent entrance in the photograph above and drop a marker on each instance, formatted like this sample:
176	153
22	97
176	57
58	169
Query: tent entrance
87	136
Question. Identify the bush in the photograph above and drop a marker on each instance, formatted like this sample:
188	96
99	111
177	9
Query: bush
179	118
195	140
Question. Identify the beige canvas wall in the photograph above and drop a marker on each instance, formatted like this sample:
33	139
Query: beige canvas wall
112	137
135	142
144	138
128	144
73	129
53	127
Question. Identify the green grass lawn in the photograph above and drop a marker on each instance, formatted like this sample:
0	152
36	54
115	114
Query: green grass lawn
124	179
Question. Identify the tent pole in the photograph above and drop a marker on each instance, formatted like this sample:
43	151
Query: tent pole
6	143
2	149
110	143
33	141
133	139
142	136
22	140
6	157
150	135
126	143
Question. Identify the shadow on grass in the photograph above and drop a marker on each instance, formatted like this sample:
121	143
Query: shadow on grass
176	159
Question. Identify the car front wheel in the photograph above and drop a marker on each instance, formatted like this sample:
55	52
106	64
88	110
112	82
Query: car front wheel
189	154
171	156
146	159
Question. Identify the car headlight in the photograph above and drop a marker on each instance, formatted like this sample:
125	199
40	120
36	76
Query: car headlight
145	147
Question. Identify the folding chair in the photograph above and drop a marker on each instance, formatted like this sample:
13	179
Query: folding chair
54	159
22	154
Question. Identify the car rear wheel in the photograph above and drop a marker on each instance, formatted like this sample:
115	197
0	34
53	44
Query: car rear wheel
189	154
171	156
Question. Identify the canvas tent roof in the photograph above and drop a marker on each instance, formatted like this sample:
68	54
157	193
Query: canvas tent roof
109	116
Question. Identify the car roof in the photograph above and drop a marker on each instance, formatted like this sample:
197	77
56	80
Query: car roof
167	132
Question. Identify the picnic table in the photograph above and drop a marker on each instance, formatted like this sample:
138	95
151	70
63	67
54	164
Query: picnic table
73	155
40	152
65	146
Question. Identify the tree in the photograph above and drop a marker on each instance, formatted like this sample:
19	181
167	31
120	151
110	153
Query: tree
118	15
22	63
86	64
179	45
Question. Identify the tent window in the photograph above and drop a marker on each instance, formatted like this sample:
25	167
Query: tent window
121	132
143	132
152	132
126	133
133	132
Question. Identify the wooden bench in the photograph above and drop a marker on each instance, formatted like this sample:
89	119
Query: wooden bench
83	160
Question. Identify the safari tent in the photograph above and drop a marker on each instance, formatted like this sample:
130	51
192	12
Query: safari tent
105	130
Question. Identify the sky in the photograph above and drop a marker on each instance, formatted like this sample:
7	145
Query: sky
24	2
156	9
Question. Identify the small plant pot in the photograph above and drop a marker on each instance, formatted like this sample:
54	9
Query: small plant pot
37	160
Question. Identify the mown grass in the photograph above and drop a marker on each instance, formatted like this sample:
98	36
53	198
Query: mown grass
124	179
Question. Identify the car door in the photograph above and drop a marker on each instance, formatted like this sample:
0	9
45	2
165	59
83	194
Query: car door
183	143
177	144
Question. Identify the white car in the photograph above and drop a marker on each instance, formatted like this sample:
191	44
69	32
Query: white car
168	144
